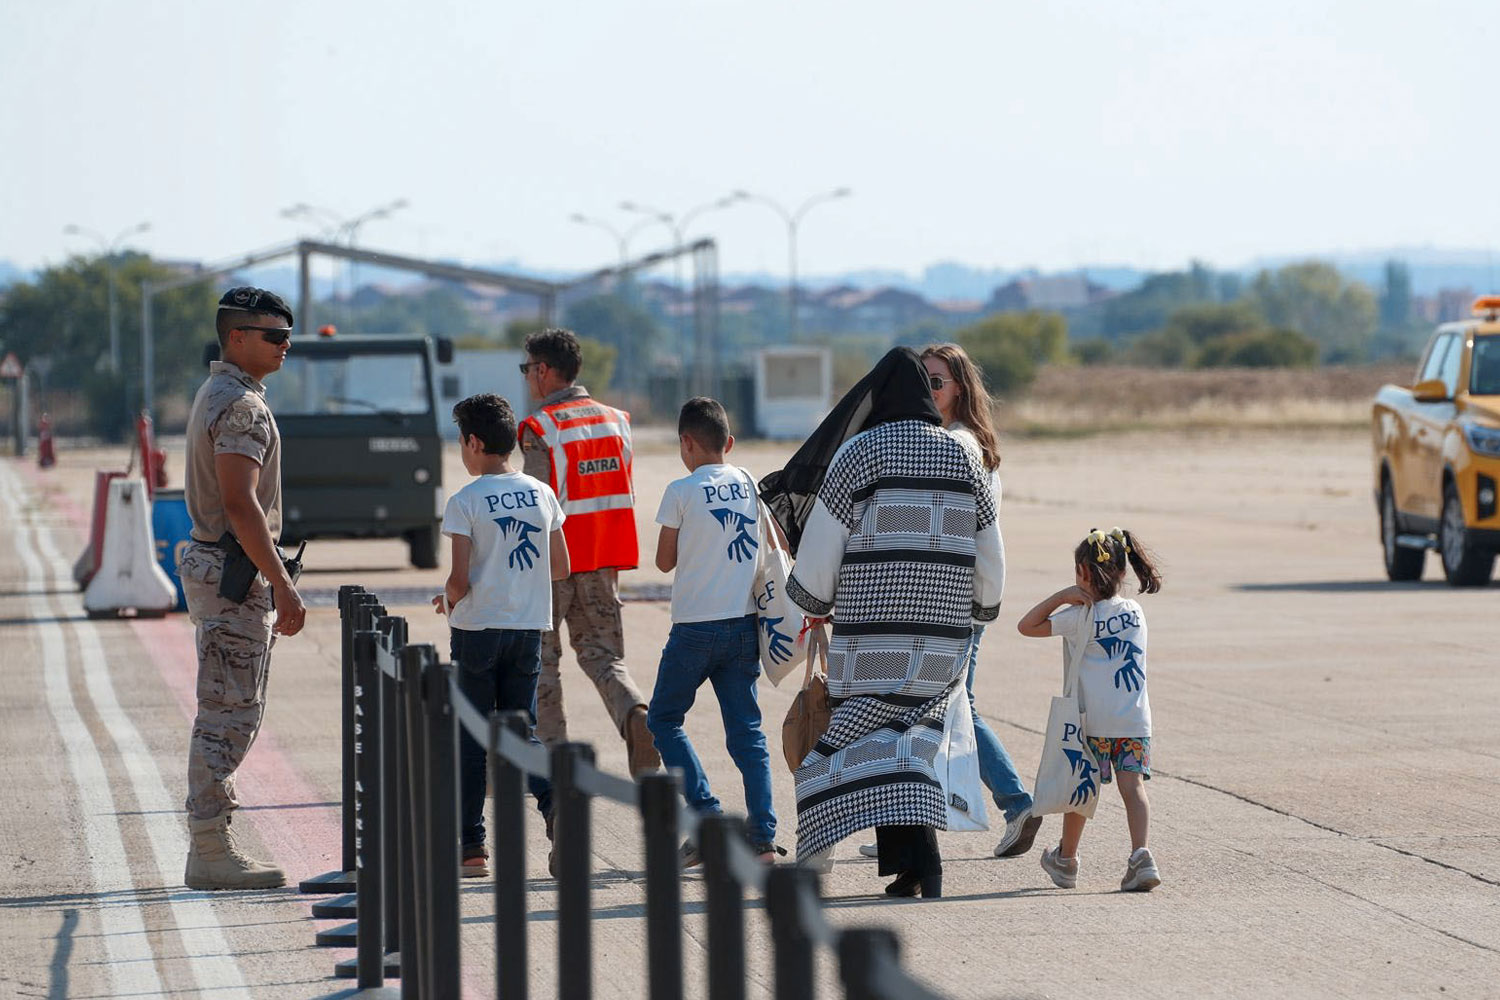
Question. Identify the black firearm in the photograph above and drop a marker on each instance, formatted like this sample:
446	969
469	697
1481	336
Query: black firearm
240	570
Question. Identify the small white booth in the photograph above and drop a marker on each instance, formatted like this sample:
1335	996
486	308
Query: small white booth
481	371
793	390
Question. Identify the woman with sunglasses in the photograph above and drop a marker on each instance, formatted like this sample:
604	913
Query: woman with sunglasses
965	405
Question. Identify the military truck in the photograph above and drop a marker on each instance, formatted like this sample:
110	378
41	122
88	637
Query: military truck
361	441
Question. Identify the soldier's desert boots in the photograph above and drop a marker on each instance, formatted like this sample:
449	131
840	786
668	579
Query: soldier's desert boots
215	861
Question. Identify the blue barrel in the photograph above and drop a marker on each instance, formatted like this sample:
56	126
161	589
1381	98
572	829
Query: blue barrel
171	526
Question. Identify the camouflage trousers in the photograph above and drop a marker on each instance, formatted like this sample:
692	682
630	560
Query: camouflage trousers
590	604
234	656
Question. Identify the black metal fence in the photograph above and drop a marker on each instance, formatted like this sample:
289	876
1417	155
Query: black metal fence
400	871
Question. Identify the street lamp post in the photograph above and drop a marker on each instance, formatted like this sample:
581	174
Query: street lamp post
110	248
336	228
793	220
679	226
622	244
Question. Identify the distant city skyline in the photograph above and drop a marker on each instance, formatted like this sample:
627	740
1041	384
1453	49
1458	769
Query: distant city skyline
1003	136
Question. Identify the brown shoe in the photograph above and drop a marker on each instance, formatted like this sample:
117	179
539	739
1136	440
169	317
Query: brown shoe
639	744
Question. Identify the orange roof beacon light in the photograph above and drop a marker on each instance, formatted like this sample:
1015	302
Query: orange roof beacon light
1487	306
329	330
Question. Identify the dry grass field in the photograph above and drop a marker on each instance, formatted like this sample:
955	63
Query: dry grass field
1084	400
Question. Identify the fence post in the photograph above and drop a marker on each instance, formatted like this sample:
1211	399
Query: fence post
442	826
342	878
394	630
725	902
575	946
508	783
363	610
416	954
794	949
659	804
368	859
860	951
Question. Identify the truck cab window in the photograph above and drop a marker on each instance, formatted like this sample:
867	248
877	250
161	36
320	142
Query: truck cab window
1485	378
1451	362
1432	367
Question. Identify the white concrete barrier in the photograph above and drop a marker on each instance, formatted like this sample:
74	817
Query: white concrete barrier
129	576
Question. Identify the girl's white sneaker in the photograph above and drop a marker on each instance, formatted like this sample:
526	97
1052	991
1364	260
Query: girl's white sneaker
1064	871
1140	873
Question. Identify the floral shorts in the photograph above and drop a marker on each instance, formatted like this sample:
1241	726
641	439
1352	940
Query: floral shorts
1122	753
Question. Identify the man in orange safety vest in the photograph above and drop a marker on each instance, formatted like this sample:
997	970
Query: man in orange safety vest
581	448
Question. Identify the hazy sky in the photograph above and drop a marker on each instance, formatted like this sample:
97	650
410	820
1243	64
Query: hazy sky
999	134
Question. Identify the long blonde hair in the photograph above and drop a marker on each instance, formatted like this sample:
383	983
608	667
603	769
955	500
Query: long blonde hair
973	407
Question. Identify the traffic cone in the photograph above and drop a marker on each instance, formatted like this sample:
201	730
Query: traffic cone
46	454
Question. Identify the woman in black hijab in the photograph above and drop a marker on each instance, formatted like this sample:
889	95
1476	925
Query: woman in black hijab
893	524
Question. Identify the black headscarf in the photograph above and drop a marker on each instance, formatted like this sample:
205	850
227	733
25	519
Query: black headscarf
895	389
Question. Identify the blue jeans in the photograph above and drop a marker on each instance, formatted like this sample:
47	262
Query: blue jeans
725	653
995	767
497	671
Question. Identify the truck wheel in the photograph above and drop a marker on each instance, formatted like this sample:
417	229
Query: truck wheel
1401	562
1463	565
423	543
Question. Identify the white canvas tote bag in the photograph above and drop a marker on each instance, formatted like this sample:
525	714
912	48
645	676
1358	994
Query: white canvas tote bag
1067	778
778	621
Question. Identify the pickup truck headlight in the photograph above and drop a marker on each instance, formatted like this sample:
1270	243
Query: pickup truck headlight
1484	440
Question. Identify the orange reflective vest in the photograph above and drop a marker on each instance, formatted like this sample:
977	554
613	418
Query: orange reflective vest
588	445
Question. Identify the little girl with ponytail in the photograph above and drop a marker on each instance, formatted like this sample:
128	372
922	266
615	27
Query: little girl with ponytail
1112	695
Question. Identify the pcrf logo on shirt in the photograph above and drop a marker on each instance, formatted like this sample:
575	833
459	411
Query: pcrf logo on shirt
523	553
1131	674
741	547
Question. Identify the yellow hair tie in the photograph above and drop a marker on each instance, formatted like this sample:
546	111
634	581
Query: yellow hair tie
1100	540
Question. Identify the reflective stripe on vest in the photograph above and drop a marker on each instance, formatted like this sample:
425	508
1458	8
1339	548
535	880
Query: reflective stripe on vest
589	447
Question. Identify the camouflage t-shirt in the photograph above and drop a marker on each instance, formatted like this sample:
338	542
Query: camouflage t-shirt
230	416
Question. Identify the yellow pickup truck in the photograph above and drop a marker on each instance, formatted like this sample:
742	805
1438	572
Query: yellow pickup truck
1437	454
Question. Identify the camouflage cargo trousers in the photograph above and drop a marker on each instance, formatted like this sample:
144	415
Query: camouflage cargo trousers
234	656
590	604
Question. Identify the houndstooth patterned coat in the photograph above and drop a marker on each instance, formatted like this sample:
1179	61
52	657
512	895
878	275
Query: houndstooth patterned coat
903	549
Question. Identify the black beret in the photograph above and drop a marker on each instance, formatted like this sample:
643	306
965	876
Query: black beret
257	300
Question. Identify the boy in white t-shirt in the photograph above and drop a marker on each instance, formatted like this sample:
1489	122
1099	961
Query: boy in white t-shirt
506	532
711	535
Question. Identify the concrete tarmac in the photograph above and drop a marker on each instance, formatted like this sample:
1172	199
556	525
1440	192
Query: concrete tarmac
1324	805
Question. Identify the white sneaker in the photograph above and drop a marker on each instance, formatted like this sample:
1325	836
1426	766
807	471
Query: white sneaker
1020	834
1140	873
1064	871
870	850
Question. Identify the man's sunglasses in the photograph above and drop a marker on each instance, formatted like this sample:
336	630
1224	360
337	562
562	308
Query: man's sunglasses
526	368
936	382
271	334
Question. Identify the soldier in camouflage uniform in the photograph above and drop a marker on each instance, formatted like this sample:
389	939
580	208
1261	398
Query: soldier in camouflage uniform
233	486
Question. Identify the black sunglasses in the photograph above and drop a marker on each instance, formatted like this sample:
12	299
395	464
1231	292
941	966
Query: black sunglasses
526	368
271	334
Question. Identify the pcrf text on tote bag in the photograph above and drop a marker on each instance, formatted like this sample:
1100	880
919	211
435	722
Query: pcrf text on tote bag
1067	777
778	621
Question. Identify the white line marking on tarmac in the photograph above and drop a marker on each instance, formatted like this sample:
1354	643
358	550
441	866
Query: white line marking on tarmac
213	963
132	965
209	956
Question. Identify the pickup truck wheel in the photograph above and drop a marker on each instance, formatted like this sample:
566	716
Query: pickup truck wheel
1401	562
1463	565
423	545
